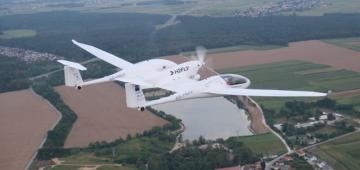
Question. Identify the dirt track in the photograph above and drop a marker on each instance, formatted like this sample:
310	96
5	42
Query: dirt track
24	120
103	115
311	51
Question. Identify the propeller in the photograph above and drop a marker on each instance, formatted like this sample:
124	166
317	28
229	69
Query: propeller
200	55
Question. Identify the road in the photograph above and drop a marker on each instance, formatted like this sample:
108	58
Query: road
52	72
269	164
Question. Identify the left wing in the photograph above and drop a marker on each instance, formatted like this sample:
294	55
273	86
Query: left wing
264	93
105	56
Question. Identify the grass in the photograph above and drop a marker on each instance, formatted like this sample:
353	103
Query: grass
68	167
355	100
350	43
108	167
84	158
17	33
262	144
103	167
298	75
343	153
135	148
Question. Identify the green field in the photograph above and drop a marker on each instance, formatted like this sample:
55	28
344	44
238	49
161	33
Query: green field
134	148
102	167
17	33
262	144
297	75
355	100
341	154
350	43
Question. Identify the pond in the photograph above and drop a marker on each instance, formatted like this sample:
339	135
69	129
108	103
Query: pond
211	118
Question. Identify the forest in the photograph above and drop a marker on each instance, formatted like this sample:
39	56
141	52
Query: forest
133	36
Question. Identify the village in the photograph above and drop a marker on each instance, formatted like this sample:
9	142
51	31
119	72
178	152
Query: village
274	8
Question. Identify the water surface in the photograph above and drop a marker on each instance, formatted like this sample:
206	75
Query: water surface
209	117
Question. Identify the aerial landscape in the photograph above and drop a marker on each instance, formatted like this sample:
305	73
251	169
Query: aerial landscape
183	84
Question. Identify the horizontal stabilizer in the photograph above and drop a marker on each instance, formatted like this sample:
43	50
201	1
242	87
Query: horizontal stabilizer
72	64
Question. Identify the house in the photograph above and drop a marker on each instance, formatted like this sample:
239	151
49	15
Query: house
313	159
278	126
300	153
321	165
287	158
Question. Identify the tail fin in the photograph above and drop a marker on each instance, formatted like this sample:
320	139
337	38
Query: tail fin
134	96
71	72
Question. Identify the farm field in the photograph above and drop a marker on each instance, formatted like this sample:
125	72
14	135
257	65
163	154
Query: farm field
24	121
17	33
310	51
115	156
103	115
342	153
267	144
299	75
350	43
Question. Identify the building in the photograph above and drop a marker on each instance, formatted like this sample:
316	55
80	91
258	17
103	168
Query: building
300	153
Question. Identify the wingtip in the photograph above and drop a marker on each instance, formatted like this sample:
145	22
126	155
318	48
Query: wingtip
60	61
74	41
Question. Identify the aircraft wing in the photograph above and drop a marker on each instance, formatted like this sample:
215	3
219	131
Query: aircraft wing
103	55
135	81
264	93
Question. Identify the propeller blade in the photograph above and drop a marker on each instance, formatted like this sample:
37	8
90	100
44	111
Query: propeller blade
201	53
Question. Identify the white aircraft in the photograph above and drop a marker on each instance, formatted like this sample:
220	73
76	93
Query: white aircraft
181	79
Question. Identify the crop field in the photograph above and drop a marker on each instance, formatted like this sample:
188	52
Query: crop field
103	115
103	158
24	121
298	75
343	153
310	51
17	33
350	43
262	144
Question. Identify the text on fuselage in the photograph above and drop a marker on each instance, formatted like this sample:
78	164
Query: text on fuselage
179	70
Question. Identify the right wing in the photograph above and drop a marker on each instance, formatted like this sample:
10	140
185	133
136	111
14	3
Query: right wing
103	55
264	93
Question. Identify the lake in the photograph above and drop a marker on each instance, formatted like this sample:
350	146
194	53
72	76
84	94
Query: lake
211	118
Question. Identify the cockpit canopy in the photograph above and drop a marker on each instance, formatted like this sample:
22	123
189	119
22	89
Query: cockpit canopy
235	80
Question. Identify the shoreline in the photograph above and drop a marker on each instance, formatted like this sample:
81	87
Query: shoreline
255	115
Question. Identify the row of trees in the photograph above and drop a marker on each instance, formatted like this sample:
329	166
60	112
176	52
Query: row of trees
53	146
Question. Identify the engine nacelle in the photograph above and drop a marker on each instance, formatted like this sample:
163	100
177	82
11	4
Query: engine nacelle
141	109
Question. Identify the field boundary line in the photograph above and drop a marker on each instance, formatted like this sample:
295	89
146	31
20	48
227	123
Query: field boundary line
52	127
